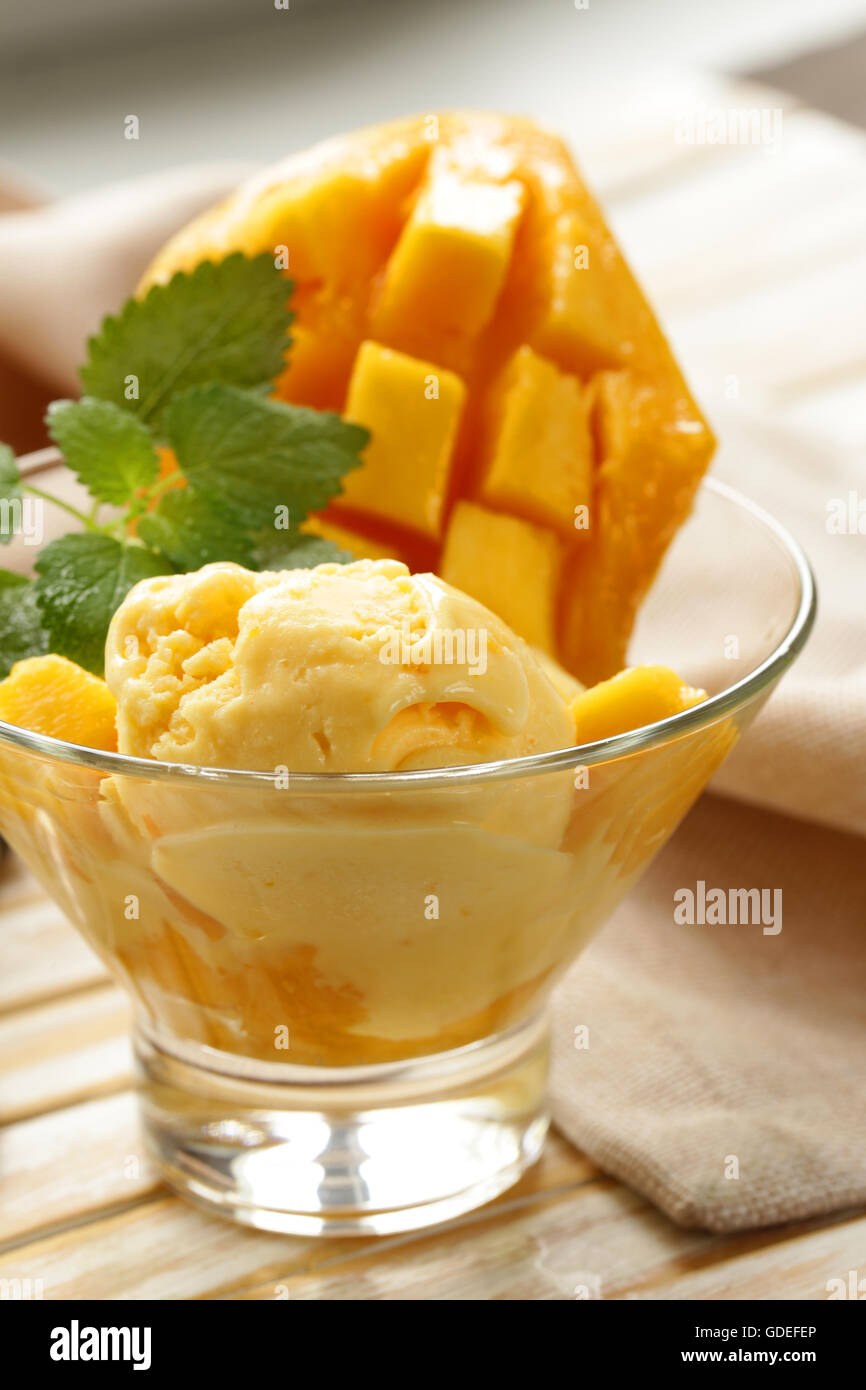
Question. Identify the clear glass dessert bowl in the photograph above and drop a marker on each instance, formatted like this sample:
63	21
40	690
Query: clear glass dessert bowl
341	980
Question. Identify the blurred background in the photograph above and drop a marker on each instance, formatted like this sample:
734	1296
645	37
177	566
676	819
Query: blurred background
218	79
218	86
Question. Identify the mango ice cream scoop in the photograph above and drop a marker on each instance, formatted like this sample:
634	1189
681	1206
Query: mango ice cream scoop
342	668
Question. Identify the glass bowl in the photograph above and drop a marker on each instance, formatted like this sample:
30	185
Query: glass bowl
340	981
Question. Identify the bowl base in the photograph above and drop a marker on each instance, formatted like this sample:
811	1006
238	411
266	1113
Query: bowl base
344	1151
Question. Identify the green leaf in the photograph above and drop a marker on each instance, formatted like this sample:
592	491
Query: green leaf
21	631
190	533
10	492
299	551
226	321
259	461
108	450
82	580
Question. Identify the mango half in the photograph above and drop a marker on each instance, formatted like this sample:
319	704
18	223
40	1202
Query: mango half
459	293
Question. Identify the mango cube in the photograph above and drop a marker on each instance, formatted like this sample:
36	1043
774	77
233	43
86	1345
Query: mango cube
594	314
448	267
50	695
412	410
539	457
316	221
509	565
635	697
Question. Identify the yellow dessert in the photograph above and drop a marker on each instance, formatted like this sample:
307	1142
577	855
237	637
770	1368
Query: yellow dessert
369	926
342	668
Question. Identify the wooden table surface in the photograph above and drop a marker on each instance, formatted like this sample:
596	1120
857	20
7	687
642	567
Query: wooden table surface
741	247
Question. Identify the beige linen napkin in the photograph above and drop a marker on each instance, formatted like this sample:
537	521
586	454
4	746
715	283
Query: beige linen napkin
725	1074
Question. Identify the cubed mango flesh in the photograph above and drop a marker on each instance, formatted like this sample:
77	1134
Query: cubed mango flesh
538	456
447	270
412	410
593	307
467	241
50	695
637	696
507	564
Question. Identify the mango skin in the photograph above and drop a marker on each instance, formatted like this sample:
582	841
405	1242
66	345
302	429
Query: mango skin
51	695
465	241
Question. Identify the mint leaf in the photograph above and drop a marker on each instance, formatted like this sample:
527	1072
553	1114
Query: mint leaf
226	321
82	580
10	492
108	450
21	631
190	533
300	551
251	458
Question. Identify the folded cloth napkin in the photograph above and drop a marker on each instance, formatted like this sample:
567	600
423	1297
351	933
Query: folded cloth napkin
723	1075
721	1071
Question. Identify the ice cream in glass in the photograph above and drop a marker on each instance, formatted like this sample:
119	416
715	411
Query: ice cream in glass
339	830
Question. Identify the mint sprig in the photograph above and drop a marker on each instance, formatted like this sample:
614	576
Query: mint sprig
82	578
108	450
249	457
224	321
188	366
21	631
189	533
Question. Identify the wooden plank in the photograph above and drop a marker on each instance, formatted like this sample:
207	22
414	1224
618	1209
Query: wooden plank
103	1161
598	1241
580	1243
160	1249
62	1052
145	1251
70	1164
43	956
801	1267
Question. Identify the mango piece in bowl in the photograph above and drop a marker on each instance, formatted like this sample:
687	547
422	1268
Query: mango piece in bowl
50	695
458	292
637	696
